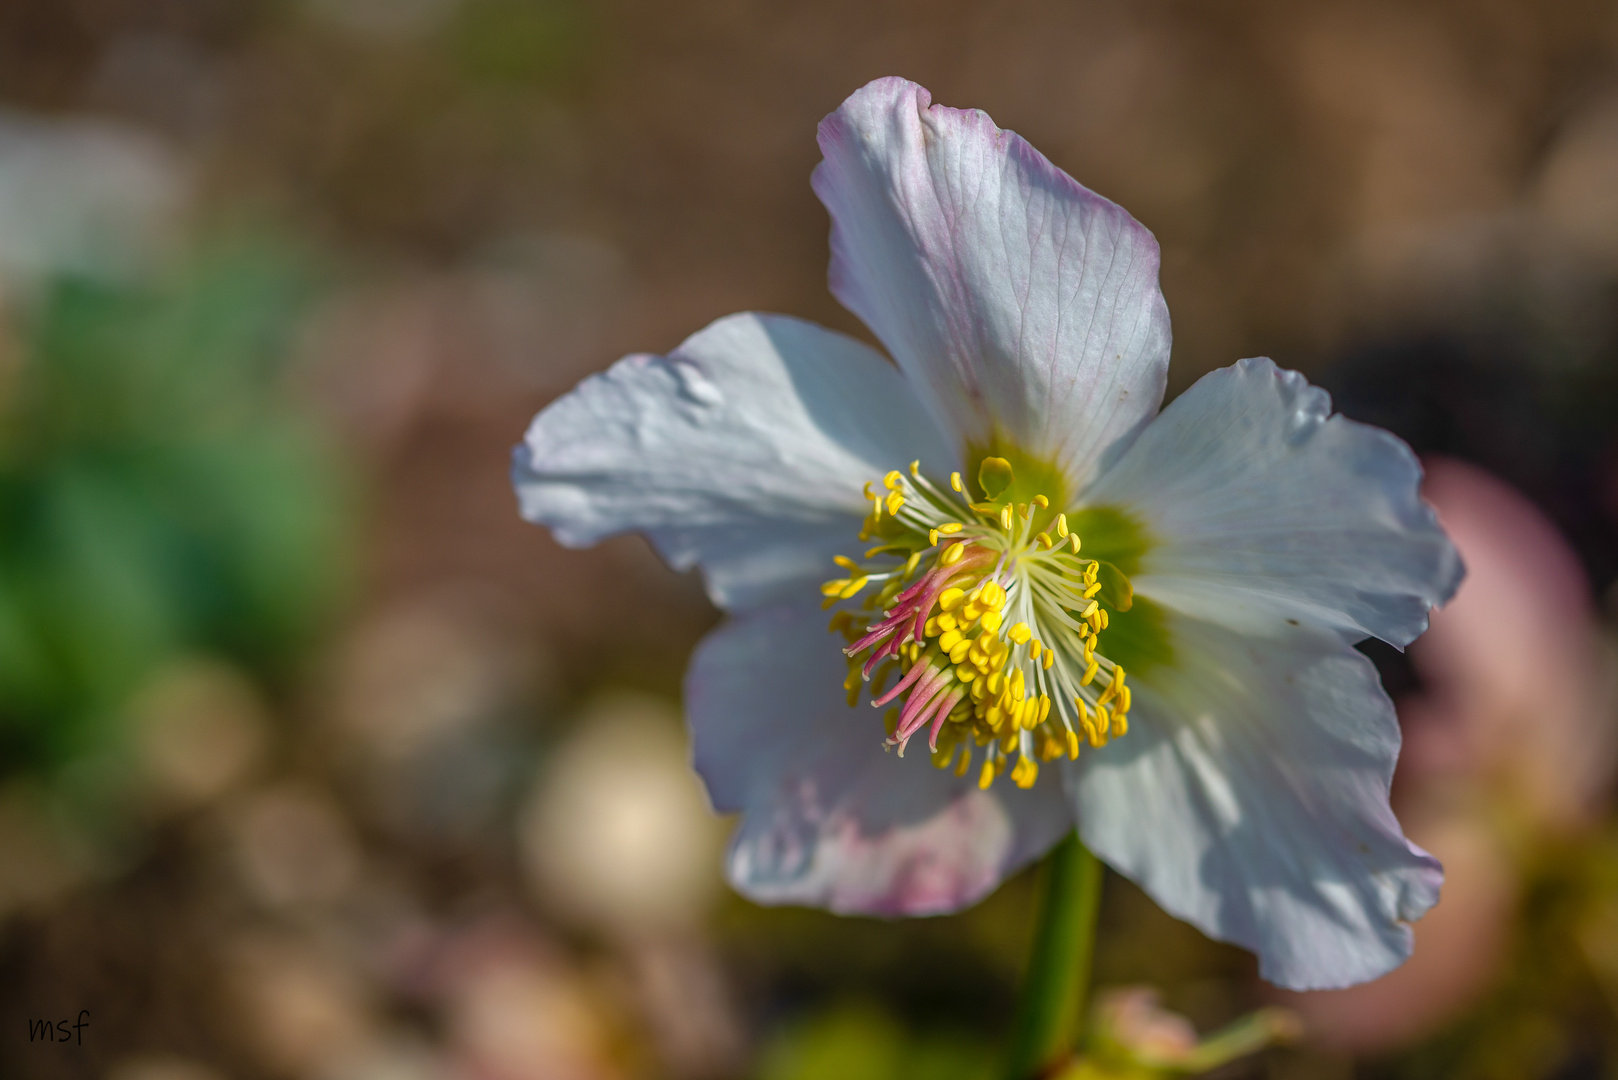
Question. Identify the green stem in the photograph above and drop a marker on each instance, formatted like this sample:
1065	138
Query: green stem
1058	976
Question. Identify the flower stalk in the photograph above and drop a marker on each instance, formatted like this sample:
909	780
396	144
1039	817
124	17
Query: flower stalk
1058	978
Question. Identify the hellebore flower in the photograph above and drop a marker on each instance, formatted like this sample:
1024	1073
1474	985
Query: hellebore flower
1014	530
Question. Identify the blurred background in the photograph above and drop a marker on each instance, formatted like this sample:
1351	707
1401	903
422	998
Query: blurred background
317	764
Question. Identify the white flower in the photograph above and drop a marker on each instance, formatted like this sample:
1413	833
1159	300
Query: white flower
1017	526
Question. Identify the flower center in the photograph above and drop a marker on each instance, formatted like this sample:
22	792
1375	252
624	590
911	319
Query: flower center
989	616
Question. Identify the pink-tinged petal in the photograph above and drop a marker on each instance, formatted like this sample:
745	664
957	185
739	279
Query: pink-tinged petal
1261	507
1250	798
829	817
1020	303
744	451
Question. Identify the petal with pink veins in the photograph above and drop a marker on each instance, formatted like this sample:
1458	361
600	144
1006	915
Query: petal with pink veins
829	816
1022	305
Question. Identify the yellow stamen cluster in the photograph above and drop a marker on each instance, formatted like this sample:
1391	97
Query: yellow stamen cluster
1009	646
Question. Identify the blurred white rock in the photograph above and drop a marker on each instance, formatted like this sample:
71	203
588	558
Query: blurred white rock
294	848
303	1008
83	197
515	1007
199	728
616	833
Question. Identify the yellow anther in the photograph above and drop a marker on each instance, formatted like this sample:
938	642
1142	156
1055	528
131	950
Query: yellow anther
995	681
993	594
955	482
1005	517
853	587
965	672
986	775
950	639
912	562
1019	688
915	467
1073	744
1045	541
1092	590
1118	676
1090	673
970	611
893	481
1044	707
1025	772
1090	573
1073	541
1124	698
943	756
1021	633
952	554
1090	609
989	619
1120	725
1103	618
965	762
931	627
1035	649
846	563
869	494
1047	660
832	588
1098	732
1042	502
1061	526
932	537
950	528
895	501
946	621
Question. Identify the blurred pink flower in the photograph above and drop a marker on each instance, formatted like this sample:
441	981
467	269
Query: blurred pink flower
1511	731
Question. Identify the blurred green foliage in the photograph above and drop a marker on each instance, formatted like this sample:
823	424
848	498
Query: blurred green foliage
159	494
859	1041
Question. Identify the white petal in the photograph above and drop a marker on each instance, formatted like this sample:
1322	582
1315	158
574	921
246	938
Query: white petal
745	450
1261	506
1024	304
830	818
1250	798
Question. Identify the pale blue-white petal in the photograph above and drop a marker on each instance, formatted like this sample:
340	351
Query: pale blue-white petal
830	818
1023	305
1250	798
745	450
1261	506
